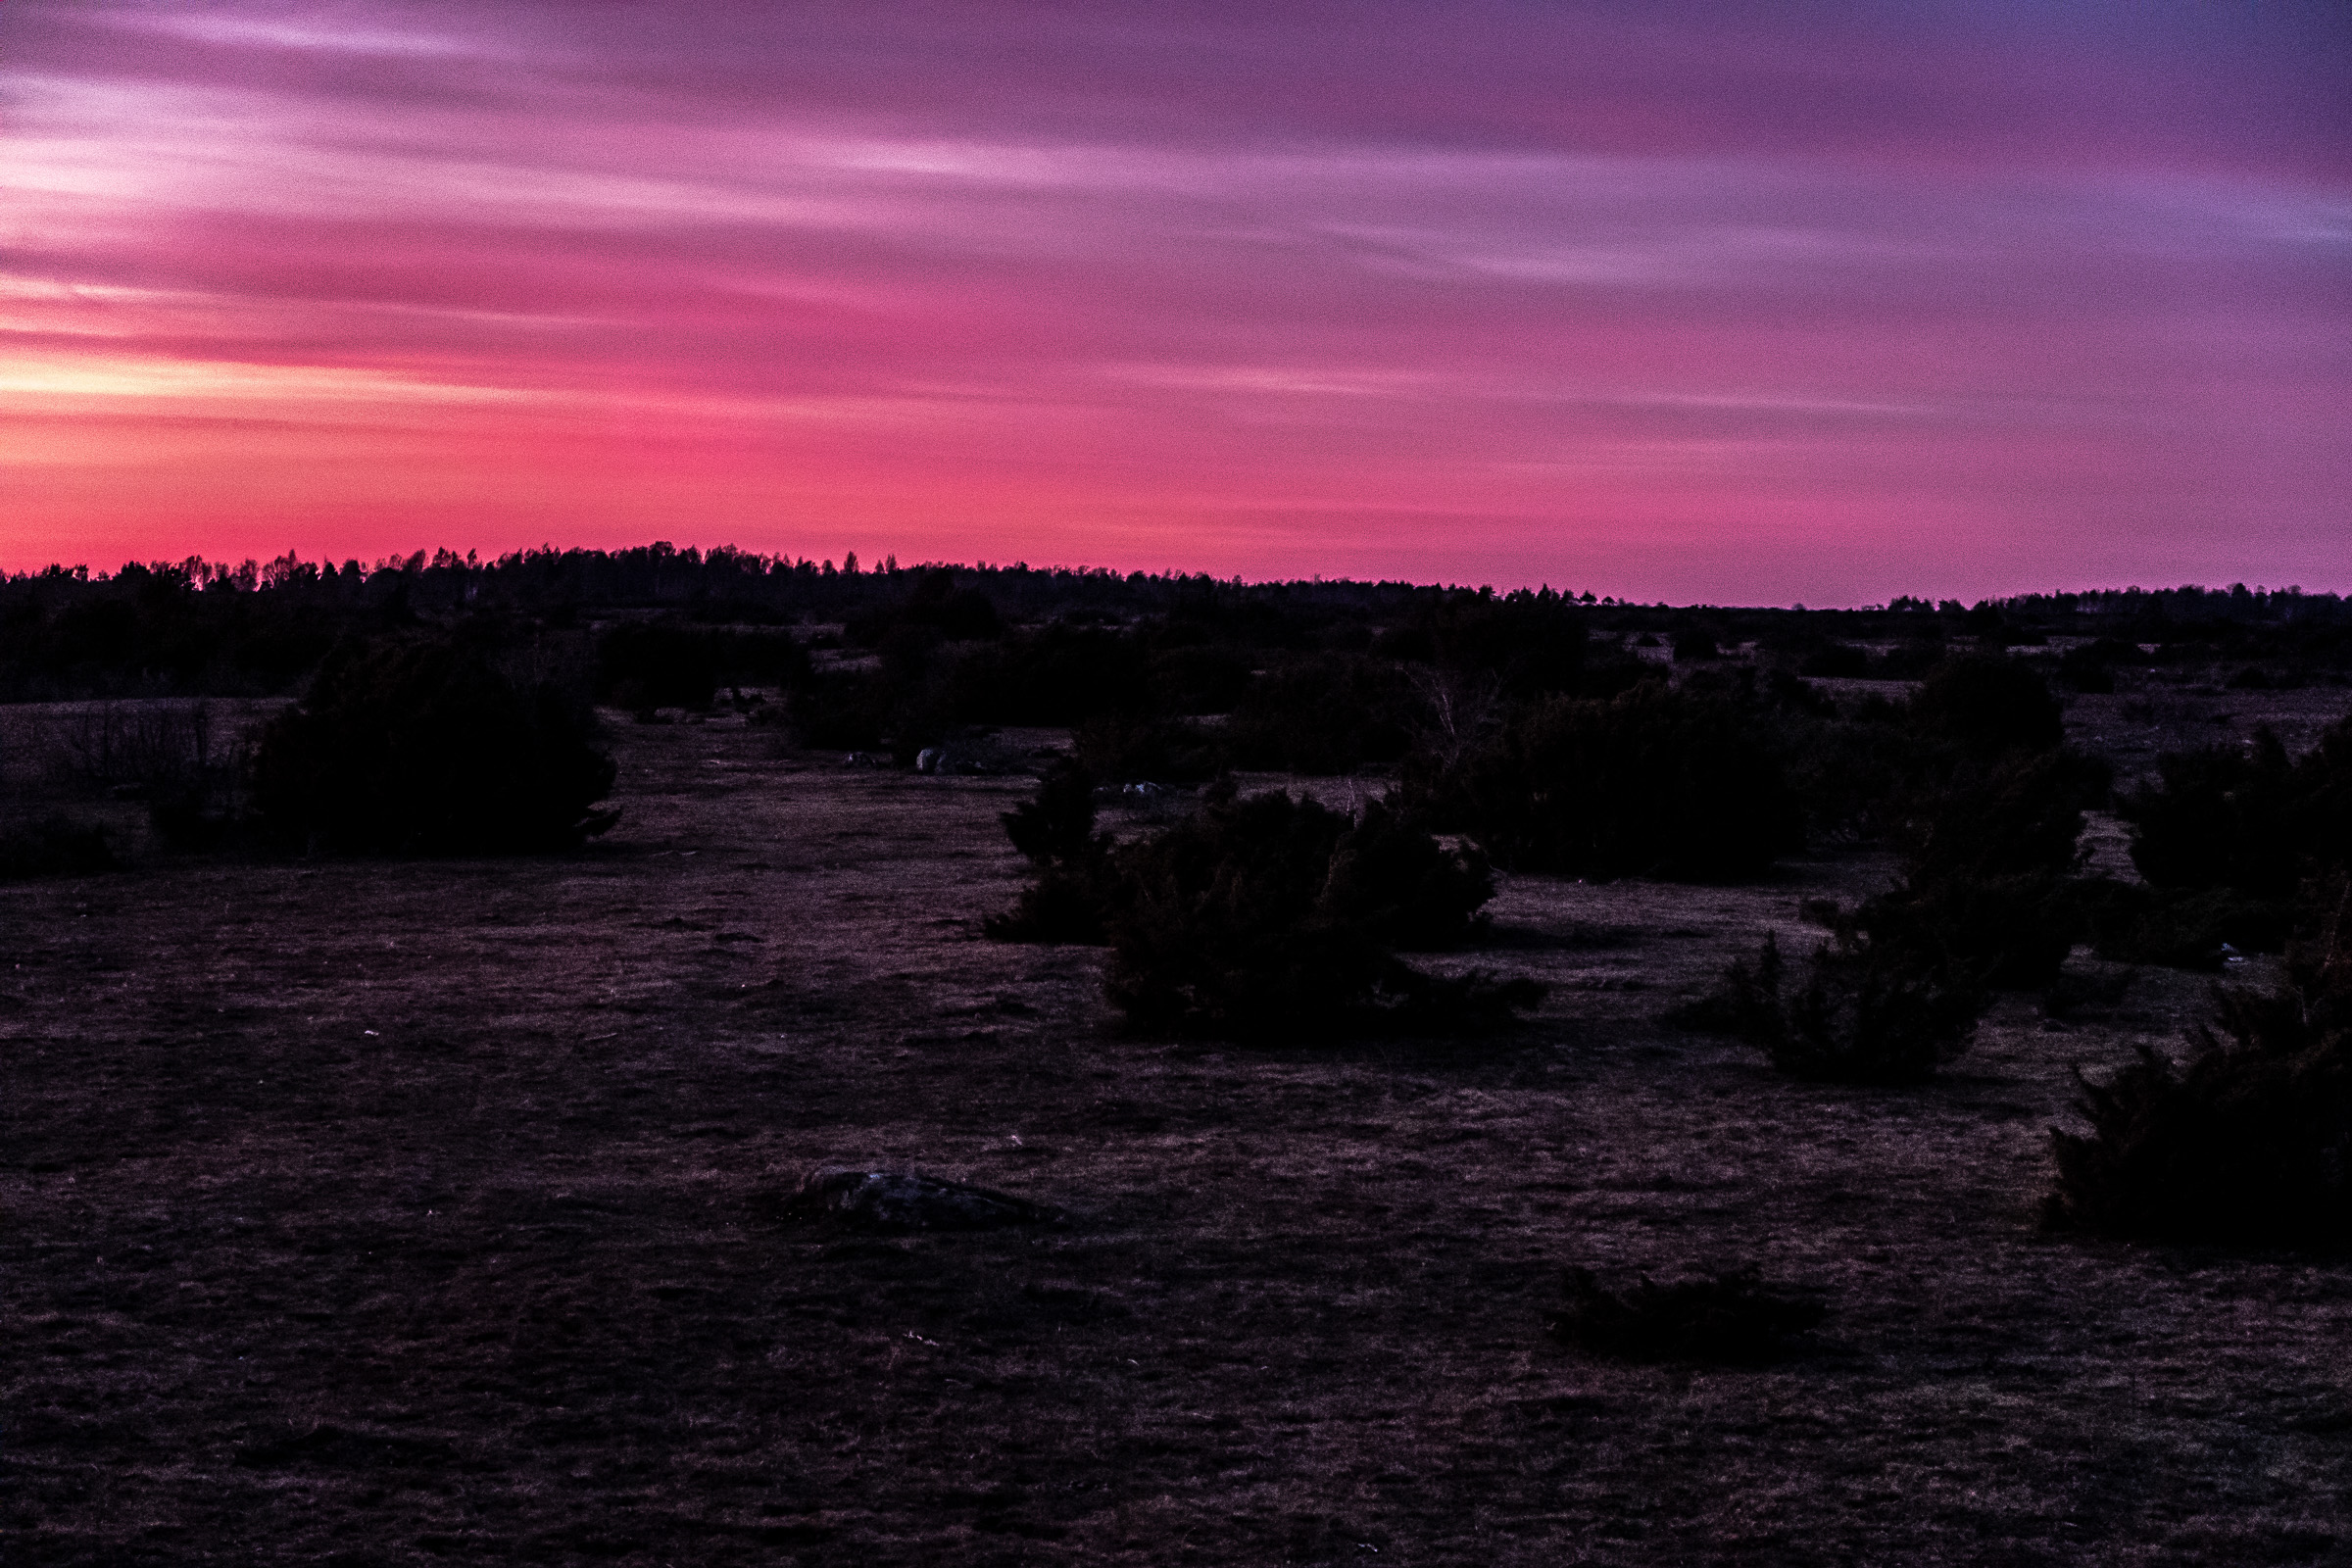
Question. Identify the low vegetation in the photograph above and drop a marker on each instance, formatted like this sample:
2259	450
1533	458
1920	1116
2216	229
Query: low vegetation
522	1126
1989	849
644	666
1655	781
2246	1139
1862	1011
423	746
2220	816
1076	889
1272	917
1259	917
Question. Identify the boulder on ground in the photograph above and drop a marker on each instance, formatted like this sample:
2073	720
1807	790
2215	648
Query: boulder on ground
884	1202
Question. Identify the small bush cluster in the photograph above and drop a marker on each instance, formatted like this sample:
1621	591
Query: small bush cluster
1854	771
2006	933
1119	748
2246	1139
1329	715
1059	673
1655	782
141	750
647	664
2225	836
1989	705
1863	1013
2130	922
1835	662
1260	917
1530	646
422	746
1988	854
1270	916
1076	888
2090	667
1726	1318
2245	818
934	602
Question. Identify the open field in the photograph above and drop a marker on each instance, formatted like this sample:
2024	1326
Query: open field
425	1213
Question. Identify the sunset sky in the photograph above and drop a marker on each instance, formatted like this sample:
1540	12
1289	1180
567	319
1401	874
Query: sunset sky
1729	303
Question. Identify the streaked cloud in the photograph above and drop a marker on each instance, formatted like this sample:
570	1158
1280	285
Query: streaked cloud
1678	301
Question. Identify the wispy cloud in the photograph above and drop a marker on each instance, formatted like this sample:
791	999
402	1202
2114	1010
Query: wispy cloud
1612	295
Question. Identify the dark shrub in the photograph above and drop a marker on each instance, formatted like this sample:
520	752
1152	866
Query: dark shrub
2323	805
1075	887
1197	679
1695	646
1789	694
1988	854
1058	823
1652	782
142	749
53	846
1058	675
1864	1015
1223	934
2019	816
1731	1318
1855	775
2246	1141
1328	714
647	664
2090	667
2134	923
420	745
1838	662
1909	659
1997	933
846	709
1987	704
957	615
1389	877
2220	816
1123	748
1268	917
1533	644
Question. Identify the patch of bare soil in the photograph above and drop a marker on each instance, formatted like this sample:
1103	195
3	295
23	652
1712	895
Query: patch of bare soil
436	1212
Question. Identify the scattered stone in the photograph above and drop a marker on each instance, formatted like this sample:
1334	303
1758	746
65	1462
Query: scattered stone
883	1201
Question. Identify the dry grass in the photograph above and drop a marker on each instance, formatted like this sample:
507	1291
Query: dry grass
425	1212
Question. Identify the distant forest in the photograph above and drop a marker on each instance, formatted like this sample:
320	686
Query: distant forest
203	628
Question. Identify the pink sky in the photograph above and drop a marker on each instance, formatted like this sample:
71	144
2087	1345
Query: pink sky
1668	302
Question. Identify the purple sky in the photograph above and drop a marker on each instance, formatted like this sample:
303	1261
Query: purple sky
1732	302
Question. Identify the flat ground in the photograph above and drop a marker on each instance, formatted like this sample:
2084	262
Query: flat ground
390	1214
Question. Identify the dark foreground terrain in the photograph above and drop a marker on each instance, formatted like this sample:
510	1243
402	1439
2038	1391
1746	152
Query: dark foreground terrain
427	1211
